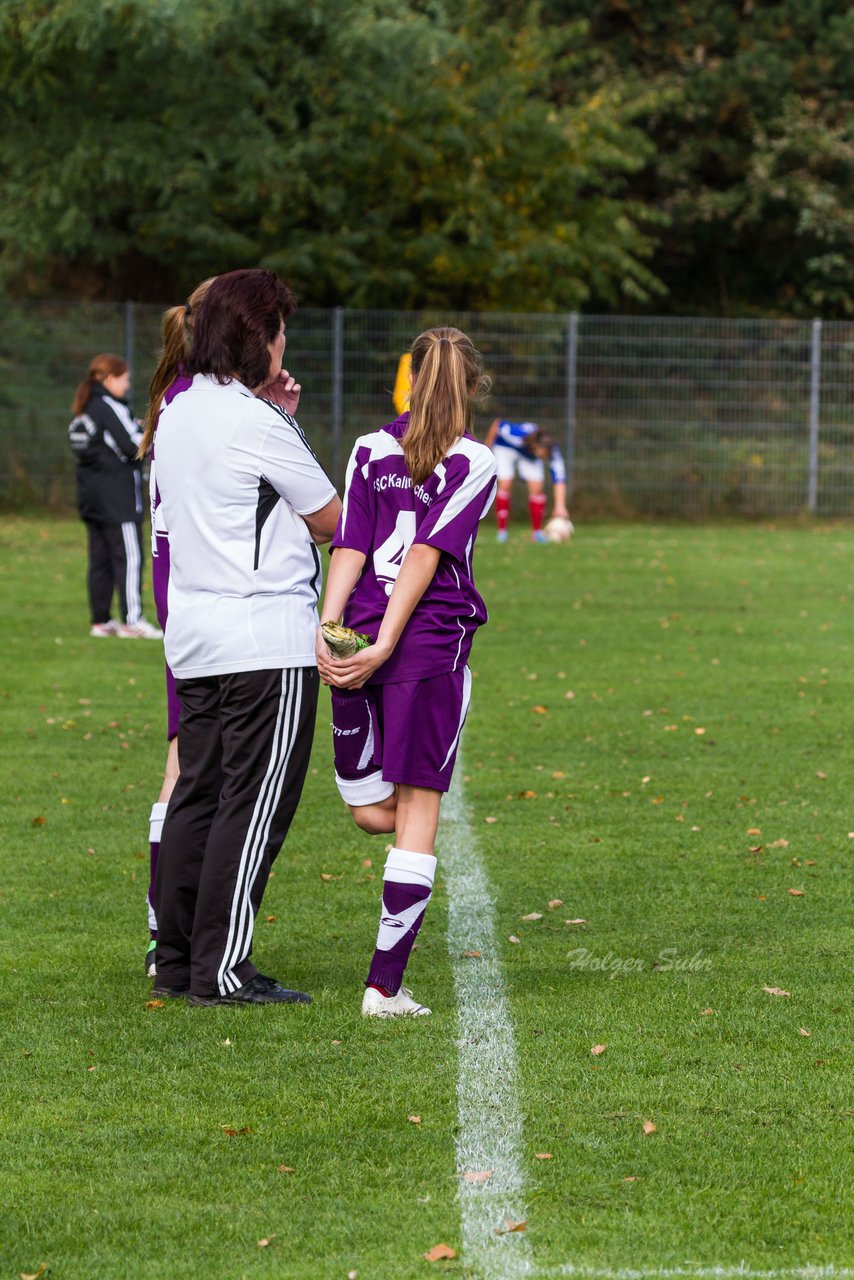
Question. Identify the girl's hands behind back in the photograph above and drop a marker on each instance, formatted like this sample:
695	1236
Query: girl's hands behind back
348	673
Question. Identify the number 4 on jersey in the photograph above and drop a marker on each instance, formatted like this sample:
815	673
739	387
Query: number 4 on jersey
389	557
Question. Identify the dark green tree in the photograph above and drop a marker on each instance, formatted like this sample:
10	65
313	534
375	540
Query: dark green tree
380	154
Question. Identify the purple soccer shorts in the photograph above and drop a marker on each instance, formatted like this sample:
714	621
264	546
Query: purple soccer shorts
405	732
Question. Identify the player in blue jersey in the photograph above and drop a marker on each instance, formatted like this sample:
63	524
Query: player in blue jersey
522	448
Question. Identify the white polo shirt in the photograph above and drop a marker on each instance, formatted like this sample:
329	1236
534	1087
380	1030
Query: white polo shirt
235	475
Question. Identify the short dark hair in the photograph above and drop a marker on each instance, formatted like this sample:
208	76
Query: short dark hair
237	320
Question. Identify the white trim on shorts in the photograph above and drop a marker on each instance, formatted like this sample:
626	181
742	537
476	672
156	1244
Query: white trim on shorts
369	790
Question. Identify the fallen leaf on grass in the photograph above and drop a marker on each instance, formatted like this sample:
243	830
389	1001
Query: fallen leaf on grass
820	774
324	875
631	1179
532	915
542	1155
513	938
480	1175
440	1251
554	903
527	795
776	991
270	919
754	831
803	1031
284	1168
779	844
154	1004
470	955
510	1225
235	1133
35	1275
490	820
540	711
38	822
414	1119
705	1012
578	921
262	1244
796	893
648	1127
598	1049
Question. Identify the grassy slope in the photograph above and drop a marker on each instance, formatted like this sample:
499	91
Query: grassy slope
126	1171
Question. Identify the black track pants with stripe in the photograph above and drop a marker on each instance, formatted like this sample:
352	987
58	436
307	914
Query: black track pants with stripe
115	562
244	743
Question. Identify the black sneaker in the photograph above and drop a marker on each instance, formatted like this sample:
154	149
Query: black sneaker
258	990
171	993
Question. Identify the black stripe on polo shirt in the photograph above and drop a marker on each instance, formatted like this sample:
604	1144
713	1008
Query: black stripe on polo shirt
292	422
267	499
313	585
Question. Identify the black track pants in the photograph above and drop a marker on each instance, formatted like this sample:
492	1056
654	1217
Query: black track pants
115	563
244	743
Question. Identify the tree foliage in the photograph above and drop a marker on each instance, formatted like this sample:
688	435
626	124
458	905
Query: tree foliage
399	153
379	154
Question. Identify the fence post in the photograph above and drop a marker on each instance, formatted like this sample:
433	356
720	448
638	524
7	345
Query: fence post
337	387
571	382
815	393
130	336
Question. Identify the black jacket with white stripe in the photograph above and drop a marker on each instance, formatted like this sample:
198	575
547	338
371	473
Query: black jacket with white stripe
104	439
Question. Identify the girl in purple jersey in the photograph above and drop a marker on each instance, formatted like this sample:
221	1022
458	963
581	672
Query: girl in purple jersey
167	382
401	572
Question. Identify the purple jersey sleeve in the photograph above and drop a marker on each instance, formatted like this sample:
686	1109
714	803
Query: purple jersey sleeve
466	491
356	523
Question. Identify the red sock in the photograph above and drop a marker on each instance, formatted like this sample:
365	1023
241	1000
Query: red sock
382	990
502	510
537	506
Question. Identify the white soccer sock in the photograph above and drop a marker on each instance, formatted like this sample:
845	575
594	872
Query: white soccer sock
155	822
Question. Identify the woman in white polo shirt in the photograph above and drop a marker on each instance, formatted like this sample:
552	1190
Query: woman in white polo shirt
245	501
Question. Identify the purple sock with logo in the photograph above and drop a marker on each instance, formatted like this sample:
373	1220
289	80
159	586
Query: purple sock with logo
407	887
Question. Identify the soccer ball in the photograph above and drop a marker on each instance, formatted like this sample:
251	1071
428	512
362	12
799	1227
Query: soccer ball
559	529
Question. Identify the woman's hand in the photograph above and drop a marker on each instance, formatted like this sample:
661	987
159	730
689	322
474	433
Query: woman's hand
283	391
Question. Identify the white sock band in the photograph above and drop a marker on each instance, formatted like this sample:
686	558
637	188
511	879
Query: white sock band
368	790
155	823
410	868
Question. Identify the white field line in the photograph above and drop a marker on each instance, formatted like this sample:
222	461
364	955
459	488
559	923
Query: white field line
490	1122
829	1272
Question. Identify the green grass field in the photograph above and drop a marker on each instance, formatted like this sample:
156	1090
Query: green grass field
660	739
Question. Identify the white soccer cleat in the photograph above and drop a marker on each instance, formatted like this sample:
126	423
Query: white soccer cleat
141	630
102	629
376	1005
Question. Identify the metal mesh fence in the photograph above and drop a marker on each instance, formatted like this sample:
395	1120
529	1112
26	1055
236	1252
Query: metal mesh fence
658	416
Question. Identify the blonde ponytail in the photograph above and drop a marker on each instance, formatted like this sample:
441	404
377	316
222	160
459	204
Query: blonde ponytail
177	332
447	374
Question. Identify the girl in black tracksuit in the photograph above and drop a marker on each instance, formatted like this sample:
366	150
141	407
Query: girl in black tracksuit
105	439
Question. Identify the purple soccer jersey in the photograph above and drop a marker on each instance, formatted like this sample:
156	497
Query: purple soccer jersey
384	514
160	563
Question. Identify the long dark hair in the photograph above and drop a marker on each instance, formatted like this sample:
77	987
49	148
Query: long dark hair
447	375
100	367
237	320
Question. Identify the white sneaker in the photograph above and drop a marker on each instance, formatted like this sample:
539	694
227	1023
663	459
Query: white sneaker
376	1005
101	629
141	630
